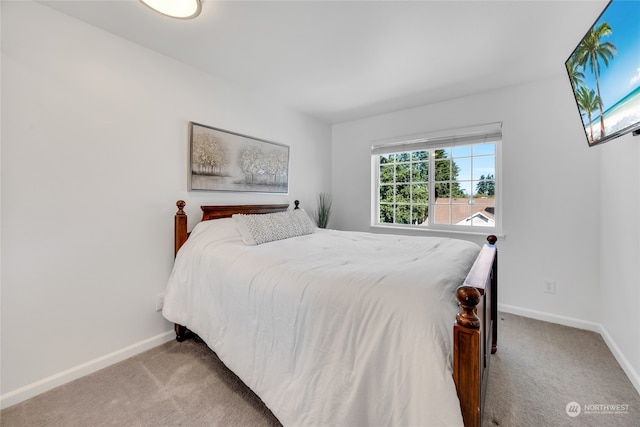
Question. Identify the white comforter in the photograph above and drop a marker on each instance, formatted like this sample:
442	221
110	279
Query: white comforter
333	328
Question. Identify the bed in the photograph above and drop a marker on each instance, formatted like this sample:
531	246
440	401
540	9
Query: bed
338	328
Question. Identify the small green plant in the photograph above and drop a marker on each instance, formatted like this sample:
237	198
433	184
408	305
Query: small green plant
324	210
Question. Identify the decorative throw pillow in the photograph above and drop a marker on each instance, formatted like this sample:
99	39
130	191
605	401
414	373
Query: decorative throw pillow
262	228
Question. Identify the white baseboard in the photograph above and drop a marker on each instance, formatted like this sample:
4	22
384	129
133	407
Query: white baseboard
634	376
38	387
628	369
551	318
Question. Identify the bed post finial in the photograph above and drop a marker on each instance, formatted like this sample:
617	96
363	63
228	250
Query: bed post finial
180	204
468	299
492	239
297	203
180	227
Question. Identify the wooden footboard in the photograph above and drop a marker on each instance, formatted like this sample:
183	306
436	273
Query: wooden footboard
475	333
475	328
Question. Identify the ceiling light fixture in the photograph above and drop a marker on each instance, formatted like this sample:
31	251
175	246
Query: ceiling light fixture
181	9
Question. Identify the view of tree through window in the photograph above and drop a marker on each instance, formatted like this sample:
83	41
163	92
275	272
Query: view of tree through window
438	186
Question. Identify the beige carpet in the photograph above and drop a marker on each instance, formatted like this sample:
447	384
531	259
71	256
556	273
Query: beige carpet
542	367
538	370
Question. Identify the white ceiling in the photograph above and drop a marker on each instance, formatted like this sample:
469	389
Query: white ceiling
343	60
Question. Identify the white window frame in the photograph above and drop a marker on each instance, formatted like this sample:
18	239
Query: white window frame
460	137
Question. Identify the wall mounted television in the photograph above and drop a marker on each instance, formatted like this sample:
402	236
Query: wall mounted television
604	70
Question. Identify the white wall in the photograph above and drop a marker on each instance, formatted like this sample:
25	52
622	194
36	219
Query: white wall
550	178
555	225
94	156
620	250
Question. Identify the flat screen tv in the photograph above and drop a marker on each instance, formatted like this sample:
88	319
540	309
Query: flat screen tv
604	70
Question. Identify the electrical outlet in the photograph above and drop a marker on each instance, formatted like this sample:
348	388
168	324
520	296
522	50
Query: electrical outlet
549	286
159	302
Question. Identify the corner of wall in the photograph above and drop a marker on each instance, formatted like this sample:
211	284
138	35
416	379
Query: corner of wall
627	367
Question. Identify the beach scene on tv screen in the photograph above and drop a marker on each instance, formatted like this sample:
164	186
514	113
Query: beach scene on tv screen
604	70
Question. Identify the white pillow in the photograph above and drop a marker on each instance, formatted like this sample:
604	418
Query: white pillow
256	229
215	229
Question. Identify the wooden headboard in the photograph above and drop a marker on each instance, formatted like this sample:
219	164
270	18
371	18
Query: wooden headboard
216	212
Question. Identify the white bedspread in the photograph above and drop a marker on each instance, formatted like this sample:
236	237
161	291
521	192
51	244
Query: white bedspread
333	328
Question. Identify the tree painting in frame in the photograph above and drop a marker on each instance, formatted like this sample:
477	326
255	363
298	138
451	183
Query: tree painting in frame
228	161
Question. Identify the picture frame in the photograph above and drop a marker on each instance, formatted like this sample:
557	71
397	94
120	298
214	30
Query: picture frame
221	160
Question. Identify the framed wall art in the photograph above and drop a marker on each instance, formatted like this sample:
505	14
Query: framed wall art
221	160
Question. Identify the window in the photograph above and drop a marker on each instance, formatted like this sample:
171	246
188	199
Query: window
444	183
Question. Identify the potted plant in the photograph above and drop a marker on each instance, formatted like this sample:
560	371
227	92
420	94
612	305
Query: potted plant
324	210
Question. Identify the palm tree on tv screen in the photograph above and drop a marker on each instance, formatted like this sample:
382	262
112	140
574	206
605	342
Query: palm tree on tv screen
591	51
588	102
575	75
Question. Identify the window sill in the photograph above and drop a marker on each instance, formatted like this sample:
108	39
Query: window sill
440	231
